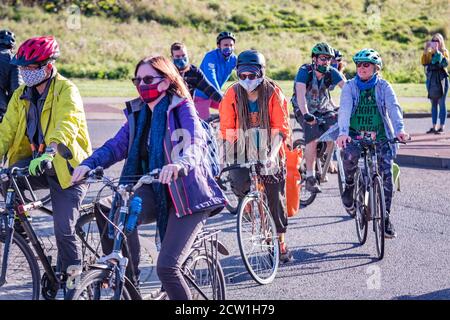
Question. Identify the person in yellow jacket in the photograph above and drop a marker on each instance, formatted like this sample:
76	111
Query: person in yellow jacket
45	111
435	60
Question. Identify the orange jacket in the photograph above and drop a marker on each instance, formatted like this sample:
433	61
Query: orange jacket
278	115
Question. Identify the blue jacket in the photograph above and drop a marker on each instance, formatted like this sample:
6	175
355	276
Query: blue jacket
217	69
196	192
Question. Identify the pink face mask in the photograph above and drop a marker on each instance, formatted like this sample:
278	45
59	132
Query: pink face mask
149	92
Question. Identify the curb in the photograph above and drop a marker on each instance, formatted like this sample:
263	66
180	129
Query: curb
422	162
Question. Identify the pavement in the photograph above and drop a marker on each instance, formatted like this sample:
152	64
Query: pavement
424	150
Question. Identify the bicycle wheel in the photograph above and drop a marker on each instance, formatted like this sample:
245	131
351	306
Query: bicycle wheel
360	208
96	284
22	275
306	197
378	209
232	200
199	269
258	239
87	230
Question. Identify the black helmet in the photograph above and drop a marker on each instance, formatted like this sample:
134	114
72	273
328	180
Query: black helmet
322	48
251	57
337	55
7	39
225	35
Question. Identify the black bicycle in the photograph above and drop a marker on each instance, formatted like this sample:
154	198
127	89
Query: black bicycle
106	279
20	273
369	193
326	151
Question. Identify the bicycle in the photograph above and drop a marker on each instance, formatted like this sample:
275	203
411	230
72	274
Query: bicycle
20	273
107	279
324	156
224	180
256	229
369	193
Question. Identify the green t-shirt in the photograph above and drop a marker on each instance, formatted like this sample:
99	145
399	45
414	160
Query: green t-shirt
367	117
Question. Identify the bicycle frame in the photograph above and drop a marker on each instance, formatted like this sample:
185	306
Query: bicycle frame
8	222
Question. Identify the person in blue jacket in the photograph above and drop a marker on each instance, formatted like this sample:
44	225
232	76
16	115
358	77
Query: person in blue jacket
217	65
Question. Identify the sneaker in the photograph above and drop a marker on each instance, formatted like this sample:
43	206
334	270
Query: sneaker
347	197
285	254
389	231
312	186
158	294
332	168
432	130
439	131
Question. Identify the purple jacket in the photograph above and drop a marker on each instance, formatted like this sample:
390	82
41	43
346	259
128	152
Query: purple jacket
198	190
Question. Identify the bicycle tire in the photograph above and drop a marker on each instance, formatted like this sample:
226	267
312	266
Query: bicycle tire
379	205
272	248
90	281
30	266
189	268
306	197
360	216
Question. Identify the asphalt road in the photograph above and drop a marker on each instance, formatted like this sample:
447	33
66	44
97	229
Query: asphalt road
329	263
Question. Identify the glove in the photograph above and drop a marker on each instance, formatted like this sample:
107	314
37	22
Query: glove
309	117
37	166
298	116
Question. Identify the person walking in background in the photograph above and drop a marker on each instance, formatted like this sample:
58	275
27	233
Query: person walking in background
435	60
9	73
217	65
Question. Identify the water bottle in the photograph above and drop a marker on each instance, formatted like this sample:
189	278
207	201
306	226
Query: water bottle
133	215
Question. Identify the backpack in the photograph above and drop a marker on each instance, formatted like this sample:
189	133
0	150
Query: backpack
212	155
213	149
309	67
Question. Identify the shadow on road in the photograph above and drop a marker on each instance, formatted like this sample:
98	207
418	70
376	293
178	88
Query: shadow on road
435	295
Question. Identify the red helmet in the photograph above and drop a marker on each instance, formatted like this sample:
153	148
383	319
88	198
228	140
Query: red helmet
36	50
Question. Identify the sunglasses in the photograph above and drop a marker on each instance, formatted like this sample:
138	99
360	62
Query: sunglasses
363	64
251	76
323	59
147	80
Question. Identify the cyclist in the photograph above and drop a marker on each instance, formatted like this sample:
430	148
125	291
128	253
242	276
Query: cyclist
146	141
217	65
257	104
312	99
43	112
369	104
193	76
9	73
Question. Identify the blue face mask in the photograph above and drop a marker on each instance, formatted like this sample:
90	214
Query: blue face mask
181	63
227	52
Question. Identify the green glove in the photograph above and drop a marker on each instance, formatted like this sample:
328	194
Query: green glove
37	166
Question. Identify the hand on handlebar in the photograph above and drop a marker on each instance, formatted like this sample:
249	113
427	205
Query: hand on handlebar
79	173
170	171
403	136
37	166
310	119
343	140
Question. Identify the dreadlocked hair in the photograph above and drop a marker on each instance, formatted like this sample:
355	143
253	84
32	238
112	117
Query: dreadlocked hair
265	91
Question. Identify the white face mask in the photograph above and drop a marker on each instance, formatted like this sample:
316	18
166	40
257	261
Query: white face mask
250	85
33	77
